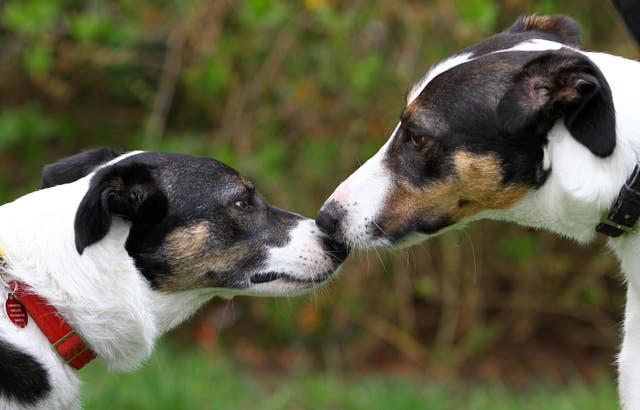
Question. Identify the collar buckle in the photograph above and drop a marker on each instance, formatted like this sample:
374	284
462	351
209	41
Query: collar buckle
625	211
626	229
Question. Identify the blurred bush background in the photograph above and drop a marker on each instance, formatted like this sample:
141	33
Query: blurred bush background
295	95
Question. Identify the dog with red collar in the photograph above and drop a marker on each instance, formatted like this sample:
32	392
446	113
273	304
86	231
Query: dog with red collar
526	127
116	249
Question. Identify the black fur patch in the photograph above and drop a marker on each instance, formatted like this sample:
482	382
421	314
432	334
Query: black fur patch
125	190
75	167
561	84
630	12
22	378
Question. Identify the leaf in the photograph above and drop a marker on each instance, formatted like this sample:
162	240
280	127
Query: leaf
38	59
482	13
30	17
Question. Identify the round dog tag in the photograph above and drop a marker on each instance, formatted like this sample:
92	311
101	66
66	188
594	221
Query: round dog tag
16	312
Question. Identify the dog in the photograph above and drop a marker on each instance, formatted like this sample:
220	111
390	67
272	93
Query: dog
525	127
124	247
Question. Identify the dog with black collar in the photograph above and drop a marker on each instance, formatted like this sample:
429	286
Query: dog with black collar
116	249
526	127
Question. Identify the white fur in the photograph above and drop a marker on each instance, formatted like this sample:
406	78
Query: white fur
435	71
101	293
311	260
361	194
580	189
536	44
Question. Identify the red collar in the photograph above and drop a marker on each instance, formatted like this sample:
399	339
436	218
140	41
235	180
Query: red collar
69	345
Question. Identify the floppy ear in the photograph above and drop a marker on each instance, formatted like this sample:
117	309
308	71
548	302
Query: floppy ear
566	29
561	84
75	167
125	190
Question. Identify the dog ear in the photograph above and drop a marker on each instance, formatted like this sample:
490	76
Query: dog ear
560	84
125	190
75	167
566	29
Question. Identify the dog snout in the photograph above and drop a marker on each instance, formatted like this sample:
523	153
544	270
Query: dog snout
337	251
328	218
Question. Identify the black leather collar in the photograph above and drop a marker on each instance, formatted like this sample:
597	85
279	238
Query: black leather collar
625	211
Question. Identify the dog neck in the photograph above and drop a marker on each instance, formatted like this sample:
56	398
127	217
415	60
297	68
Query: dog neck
100	293
582	187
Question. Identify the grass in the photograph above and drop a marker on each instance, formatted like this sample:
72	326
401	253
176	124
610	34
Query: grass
175	379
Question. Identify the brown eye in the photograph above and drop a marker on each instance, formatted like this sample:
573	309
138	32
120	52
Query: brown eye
421	142
418	141
243	204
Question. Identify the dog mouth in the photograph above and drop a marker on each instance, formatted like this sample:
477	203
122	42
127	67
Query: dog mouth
336	250
266	277
308	260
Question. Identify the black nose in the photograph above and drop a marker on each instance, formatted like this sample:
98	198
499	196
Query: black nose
328	217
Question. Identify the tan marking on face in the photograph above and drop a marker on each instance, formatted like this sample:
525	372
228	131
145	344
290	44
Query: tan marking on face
477	182
190	258
188	241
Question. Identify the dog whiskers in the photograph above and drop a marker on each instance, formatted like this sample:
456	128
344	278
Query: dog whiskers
473	254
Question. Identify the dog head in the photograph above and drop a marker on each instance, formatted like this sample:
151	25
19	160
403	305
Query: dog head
195	223
472	135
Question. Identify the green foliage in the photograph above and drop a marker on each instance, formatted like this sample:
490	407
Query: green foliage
28	123
264	13
547	6
38	59
210	77
366	72
481	13
176	380
102	29
30	16
522	248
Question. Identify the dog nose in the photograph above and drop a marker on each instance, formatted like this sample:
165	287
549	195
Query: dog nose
328	217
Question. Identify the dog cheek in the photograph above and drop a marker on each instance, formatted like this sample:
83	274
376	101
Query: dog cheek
474	185
410	209
479	185
194	261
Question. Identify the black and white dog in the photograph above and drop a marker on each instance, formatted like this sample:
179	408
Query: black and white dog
125	247
524	127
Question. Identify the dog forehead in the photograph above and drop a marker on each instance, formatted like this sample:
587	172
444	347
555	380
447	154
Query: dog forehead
195	176
465	96
499	43
435	71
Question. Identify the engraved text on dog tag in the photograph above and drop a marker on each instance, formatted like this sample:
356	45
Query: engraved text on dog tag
16	311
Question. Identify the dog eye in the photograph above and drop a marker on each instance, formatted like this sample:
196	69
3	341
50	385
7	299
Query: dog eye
417	140
244	204
420	141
